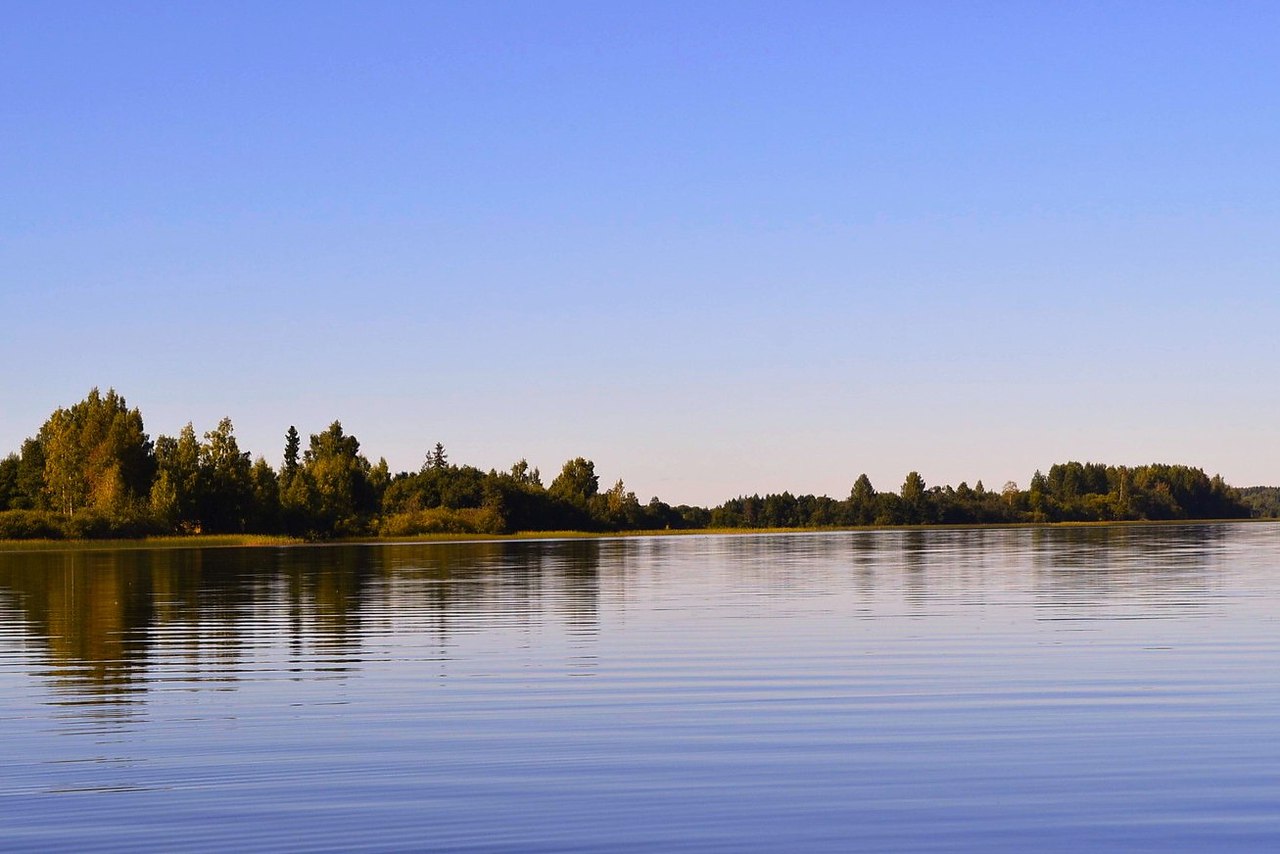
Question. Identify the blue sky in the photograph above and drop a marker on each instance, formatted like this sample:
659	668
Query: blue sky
719	248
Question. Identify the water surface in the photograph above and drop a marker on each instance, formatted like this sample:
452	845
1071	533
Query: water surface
1059	689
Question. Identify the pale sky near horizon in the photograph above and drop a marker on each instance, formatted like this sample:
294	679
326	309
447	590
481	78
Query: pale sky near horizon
718	248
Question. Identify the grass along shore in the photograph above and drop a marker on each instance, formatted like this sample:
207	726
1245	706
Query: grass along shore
205	541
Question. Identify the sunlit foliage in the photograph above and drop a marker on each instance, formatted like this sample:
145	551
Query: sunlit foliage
92	471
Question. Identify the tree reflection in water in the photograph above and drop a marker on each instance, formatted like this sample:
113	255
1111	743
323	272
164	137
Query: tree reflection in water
113	624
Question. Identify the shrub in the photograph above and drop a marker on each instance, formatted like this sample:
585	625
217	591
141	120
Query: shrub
29	525
91	524
442	520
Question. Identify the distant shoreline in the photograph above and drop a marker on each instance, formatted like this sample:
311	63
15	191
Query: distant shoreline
201	541
92	472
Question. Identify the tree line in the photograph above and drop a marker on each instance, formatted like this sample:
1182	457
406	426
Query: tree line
1262	501
92	471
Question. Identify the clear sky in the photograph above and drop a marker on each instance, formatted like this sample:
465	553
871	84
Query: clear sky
719	248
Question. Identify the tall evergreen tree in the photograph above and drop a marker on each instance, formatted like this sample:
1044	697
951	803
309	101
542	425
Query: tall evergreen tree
292	445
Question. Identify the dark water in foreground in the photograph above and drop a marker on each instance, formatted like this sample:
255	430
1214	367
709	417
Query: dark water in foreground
1075	689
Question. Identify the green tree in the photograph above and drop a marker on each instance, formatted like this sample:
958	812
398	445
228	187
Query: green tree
1123	501
292	445
177	493
339	476
617	508
163	501
379	479
862	501
521	473
265	515
576	483
226	498
1038	499
31	491
9	493
891	509
914	499
96	455
64	466
298	505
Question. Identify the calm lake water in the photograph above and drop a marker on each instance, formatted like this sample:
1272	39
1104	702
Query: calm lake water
1069	689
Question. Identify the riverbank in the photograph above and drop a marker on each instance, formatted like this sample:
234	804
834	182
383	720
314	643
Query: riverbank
202	541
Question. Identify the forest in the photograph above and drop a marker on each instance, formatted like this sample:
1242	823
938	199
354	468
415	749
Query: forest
91	471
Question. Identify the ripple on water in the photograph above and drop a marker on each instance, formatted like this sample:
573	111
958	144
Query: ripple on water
999	689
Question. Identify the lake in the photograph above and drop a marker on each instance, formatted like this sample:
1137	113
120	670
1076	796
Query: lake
1006	689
